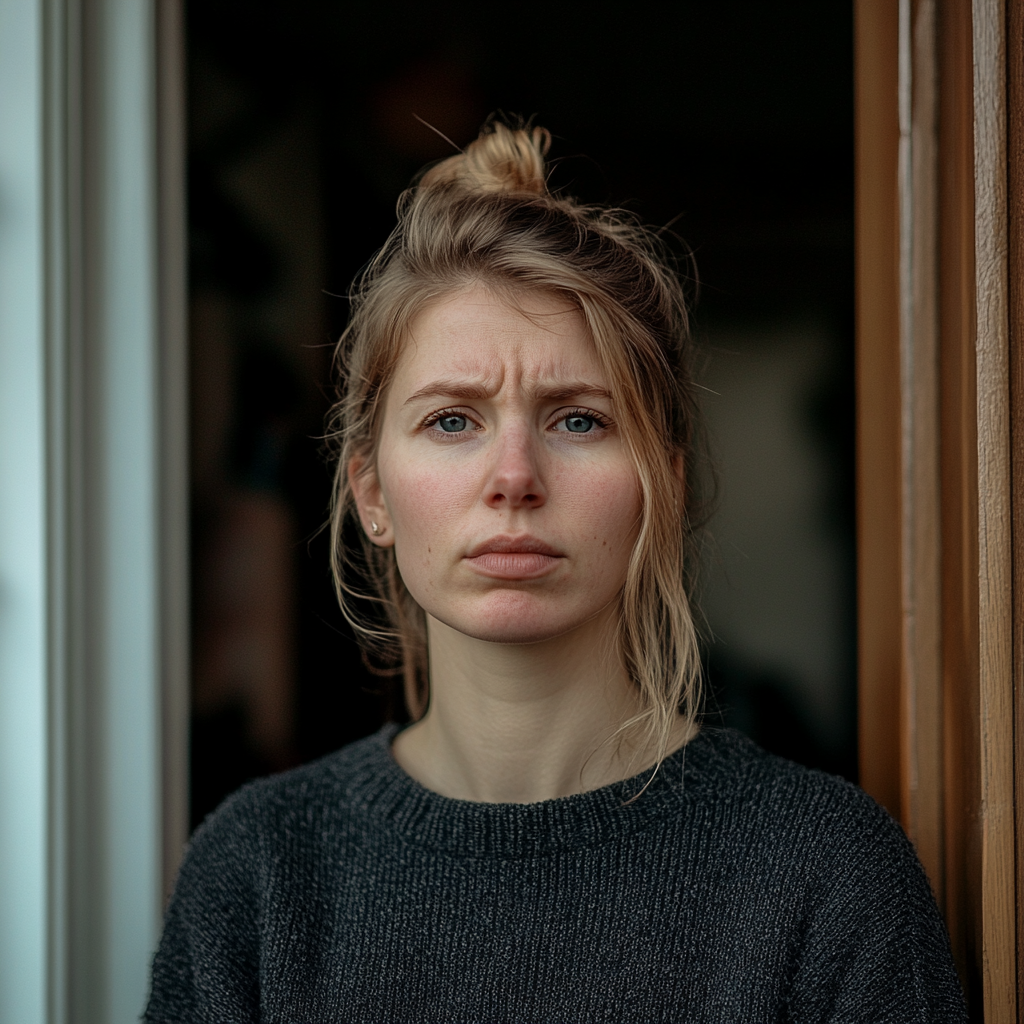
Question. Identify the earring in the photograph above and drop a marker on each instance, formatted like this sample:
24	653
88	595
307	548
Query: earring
374	528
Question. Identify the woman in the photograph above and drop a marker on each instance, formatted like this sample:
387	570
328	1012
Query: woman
553	838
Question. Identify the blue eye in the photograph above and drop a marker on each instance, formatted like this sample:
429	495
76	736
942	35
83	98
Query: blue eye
452	424
579	424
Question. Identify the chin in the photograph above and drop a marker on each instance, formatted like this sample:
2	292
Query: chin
515	618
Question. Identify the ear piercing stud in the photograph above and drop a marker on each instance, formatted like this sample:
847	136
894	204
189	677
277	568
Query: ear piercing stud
374	528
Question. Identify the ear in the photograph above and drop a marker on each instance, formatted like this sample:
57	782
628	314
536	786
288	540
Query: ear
369	498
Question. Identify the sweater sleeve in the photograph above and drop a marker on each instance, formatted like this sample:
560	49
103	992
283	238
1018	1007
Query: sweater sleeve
875	948
206	968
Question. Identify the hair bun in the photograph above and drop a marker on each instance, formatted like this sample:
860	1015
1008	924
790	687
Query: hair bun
500	159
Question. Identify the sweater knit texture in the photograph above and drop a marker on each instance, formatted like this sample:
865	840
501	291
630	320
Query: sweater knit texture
738	888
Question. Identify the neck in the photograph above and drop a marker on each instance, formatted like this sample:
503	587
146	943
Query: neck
519	723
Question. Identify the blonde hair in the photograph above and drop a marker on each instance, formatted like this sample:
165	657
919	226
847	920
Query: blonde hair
486	216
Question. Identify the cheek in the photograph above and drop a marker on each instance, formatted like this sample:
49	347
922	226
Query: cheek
604	506
421	502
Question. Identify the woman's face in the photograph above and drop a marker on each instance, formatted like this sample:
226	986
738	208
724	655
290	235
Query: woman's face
502	479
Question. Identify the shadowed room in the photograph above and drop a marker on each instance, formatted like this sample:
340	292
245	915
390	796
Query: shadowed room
729	127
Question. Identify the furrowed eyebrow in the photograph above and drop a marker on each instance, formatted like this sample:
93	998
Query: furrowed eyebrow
566	392
451	389
467	390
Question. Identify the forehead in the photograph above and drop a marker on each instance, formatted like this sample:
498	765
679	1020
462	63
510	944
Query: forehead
534	337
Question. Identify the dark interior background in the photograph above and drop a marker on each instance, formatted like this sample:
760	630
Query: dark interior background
732	122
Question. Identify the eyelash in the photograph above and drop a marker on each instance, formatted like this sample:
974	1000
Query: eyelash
435	417
602	421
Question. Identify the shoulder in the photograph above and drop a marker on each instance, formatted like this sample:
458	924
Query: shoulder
730	769
292	806
822	826
869	941
208	966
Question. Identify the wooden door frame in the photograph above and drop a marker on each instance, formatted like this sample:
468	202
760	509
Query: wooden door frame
940	383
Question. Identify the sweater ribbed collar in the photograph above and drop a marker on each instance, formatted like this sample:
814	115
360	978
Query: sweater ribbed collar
379	787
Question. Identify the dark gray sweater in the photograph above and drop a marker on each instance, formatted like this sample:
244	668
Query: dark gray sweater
738	888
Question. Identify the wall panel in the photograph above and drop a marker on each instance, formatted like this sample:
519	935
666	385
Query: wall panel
960	564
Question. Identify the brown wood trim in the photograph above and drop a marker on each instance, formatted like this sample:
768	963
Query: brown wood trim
995	626
941	456
1015	280
958	469
921	678
876	34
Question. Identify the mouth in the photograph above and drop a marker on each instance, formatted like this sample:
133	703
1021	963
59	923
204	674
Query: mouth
513	558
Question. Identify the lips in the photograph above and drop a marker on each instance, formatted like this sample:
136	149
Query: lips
513	558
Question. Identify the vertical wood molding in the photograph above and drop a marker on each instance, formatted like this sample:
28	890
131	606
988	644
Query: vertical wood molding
958	469
921	675
940	305
115	388
876	34
994	538
1015	281
62	175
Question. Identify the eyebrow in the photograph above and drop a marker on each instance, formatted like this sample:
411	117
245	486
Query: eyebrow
452	388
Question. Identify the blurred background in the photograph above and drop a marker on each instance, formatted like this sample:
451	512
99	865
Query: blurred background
732	122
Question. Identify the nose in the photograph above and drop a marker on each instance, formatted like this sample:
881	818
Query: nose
514	479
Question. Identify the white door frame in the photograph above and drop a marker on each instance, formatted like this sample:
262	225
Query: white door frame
93	501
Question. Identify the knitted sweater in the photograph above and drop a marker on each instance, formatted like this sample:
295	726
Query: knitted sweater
738	888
